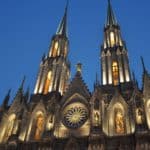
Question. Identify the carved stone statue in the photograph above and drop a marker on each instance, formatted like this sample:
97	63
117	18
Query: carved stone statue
119	122
39	127
96	118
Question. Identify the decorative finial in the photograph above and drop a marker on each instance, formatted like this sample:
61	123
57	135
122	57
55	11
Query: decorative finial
79	67
27	94
23	81
43	57
143	64
6	99
9	91
111	19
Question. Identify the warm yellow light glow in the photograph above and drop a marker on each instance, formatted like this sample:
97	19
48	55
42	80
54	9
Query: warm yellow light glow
104	78
119	122
50	122
39	126
147	110
96	118
104	70
112	38
75	115
48	82
120	42
139	117
10	126
105	45
127	76
115	71
65	50
109	68
55	49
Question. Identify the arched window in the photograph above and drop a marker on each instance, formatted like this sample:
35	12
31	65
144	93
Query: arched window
55	49
115	71
112	38
48	82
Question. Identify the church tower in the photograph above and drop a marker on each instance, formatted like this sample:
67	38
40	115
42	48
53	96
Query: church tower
54	69
114	54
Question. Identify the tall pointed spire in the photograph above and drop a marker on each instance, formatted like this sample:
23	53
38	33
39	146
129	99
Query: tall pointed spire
111	19
114	58
62	28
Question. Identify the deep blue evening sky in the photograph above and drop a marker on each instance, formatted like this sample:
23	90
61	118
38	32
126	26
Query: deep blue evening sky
26	27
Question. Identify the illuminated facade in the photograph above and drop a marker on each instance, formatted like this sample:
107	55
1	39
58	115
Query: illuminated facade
64	115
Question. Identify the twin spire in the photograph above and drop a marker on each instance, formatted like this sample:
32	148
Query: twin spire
111	19
62	28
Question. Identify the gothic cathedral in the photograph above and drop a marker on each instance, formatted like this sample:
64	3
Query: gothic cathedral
64	115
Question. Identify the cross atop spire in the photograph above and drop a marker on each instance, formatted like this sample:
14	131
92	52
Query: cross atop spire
62	28
111	19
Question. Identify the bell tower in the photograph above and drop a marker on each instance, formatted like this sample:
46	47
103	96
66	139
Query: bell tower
114	54
54	71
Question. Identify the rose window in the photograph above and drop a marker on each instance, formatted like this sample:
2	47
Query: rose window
75	115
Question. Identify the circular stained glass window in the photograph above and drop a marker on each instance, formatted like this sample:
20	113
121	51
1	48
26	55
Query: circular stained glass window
75	115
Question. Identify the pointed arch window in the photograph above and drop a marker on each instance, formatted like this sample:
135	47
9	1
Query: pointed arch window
48	82
115	71
112	38
55	49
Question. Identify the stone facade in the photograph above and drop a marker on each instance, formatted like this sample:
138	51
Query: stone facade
63	115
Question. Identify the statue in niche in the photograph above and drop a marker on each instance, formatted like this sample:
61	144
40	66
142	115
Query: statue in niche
119	122
39	127
51	119
139	116
96	118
